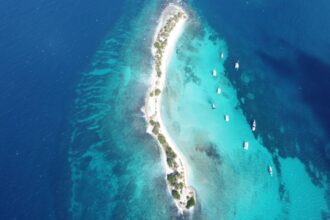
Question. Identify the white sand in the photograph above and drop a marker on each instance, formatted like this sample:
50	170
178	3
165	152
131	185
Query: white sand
153	104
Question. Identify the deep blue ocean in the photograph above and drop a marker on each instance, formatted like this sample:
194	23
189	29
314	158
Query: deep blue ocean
45	45
71	147
286	46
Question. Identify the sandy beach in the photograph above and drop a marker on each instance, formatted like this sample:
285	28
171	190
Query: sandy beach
153	102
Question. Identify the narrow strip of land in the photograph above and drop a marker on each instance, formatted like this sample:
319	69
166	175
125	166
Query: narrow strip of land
170	27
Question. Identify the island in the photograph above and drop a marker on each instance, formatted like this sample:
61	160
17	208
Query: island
169	28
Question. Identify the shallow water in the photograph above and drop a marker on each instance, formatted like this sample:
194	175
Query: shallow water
116	167
231	183
73	81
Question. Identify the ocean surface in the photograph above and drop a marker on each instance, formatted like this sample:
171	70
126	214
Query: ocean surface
72	135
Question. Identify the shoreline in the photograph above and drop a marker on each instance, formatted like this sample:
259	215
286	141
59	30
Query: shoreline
169	29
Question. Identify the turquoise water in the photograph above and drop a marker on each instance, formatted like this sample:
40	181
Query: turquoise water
231	183
116	167
73	80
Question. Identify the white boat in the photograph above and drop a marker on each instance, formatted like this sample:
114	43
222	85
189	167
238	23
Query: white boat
246	145
254	125
213	106
222	56
237	65
270	170
214	73
219	90
227	118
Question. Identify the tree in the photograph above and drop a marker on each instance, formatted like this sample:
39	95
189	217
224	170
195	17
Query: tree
161	139
157	45
157	92
190	203
175	194
171	178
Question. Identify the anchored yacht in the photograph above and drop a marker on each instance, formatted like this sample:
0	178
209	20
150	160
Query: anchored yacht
246	145
222	56
254	125
237	65
213	106
219	90
270	170
214	73
227	118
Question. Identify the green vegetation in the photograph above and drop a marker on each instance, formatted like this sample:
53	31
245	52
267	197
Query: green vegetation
176	18
157	45
155	125
175	194
162	37
152	122
170	162
170	153
190	203
175	178
163	44
180	186
161	139
157	92
155	130
171	178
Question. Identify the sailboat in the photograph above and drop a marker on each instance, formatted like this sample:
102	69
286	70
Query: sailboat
270	170
237	65
254	125
213	106
246	145
214	73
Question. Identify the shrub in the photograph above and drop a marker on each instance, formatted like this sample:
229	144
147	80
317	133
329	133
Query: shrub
156	44
180	186
161	139
170	162
155	130
152	122
171	178
175	194
190	203
170	153
157	92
